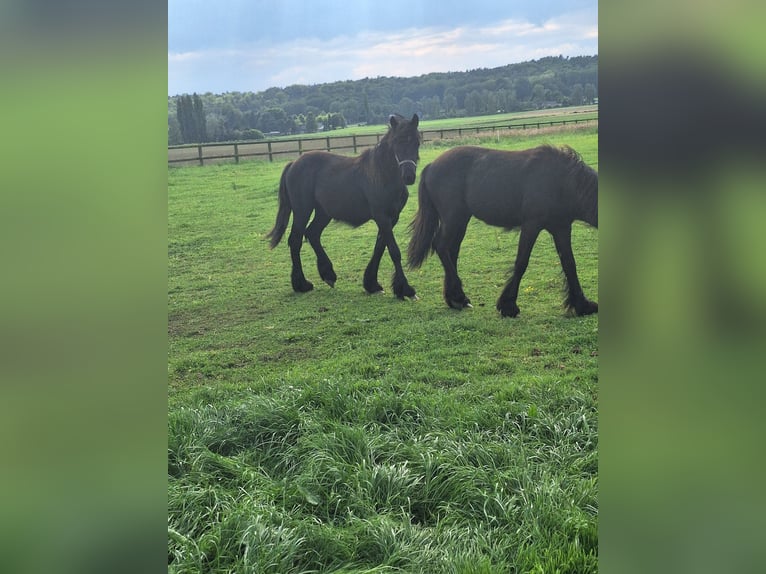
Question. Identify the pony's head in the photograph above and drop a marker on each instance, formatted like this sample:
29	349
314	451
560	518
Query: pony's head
404	139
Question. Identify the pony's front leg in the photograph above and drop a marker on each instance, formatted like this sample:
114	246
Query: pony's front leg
576	300
371	284
506	303
399	283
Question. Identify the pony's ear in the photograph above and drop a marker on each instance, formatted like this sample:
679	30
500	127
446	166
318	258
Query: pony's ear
392	120
415	120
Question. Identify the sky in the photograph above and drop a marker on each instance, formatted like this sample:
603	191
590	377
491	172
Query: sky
251	45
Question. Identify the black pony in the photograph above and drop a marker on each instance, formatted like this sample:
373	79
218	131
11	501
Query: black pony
535	189
354	190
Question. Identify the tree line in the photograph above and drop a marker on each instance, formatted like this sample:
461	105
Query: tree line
231	116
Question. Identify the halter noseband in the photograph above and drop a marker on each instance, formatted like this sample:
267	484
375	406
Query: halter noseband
403	161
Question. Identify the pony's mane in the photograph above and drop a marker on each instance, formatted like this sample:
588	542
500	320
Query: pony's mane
585	178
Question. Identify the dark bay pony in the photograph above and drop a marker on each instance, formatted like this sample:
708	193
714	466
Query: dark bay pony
354	190
535	189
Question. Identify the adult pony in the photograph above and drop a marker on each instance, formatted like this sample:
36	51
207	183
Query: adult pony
535	189
354	190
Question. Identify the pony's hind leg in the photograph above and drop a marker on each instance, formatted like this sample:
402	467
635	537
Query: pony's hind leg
314	234
370	283
447	246
575	300
295	241
399	283
506	303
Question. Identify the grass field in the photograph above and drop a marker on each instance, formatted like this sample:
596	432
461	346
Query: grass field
553	114
335	431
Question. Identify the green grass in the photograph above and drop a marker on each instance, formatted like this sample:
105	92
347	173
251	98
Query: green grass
335	431
555	114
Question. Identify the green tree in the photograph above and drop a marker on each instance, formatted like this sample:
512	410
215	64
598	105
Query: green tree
406	107
174	131
311	123
589	93
577	94
185	116
523	89
450	104
216	128
199	118
335	121
274	120
538	93
367	113
190	113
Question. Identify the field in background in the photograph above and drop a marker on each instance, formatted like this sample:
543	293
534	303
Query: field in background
335	431
352	140
468	122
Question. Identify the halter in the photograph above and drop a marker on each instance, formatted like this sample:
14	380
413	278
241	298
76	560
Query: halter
403	161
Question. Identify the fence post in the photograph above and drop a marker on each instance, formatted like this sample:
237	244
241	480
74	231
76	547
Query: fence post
354	140
236	153
199	153
328	143
300	147
271	158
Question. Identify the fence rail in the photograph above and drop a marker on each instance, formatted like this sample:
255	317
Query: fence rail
293	148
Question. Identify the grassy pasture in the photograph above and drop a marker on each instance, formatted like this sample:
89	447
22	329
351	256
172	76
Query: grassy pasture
335	431
554	114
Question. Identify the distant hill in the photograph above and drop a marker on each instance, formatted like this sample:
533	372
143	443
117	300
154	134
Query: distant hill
544	83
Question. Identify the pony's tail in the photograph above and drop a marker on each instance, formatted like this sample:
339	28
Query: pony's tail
283	213
423	227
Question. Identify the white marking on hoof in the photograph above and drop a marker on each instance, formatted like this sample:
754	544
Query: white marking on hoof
414	298
469	306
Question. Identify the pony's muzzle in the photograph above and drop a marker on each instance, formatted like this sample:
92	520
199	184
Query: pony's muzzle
408	168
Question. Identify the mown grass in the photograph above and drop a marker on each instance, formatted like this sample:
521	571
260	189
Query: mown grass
335	431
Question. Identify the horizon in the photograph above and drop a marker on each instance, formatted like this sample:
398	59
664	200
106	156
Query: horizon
383	77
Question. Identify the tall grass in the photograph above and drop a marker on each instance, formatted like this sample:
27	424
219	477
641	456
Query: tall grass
335	431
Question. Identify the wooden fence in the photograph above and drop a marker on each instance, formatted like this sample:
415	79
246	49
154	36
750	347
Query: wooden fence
292	148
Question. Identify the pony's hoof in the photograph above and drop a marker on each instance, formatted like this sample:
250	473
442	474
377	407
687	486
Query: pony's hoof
508	310
403	292
328	276
589	308
304	287
414	298
374	289
460	302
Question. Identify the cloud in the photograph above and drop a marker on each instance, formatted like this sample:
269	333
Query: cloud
409	52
